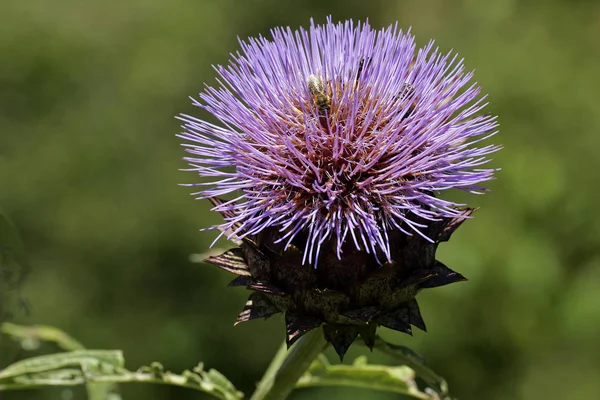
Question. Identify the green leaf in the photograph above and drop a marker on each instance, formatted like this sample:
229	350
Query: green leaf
102	367
396	379
30	336
99	370
416	362
90	362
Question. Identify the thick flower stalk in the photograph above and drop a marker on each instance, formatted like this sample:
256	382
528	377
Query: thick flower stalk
327	162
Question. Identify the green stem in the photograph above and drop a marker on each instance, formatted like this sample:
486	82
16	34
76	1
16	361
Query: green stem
43	333
287	367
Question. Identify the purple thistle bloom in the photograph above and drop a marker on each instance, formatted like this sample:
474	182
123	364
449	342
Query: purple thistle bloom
339	133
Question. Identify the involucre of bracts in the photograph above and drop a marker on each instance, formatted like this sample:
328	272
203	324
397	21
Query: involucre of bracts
352	295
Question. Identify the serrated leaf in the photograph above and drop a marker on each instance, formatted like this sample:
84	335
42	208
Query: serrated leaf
59	377
219	380
86	359
395	379
62	377
100	370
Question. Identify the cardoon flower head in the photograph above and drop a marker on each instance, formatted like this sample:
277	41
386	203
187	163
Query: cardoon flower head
332	148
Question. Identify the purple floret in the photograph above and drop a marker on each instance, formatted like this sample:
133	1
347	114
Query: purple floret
339	133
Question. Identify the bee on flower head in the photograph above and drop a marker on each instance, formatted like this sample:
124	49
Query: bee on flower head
319	95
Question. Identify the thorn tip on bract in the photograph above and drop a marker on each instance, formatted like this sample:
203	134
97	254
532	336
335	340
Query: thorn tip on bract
340	337
257	306
444	276
298	325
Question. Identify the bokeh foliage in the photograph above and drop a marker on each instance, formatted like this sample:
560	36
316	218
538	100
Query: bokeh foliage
89	171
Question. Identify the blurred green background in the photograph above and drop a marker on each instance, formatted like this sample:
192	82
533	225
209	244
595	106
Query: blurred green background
89	171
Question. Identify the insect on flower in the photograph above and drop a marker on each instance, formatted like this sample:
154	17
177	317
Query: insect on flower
363	63
338	217
319	95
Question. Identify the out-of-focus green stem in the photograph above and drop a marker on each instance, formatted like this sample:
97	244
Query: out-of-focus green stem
43	333
268	377
287	367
